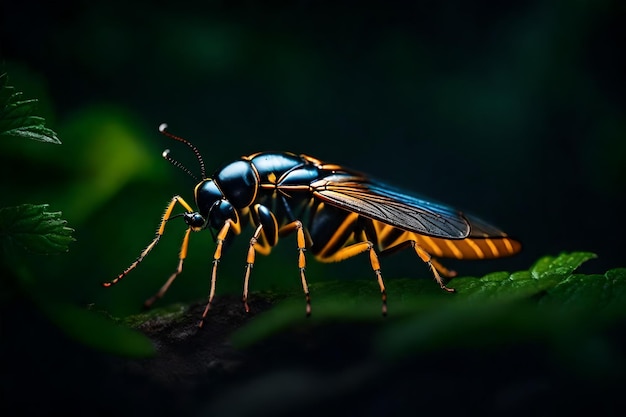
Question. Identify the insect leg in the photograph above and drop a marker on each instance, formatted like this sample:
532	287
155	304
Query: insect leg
249	265
217	255
181	257
448	273
159	233
434	266
289	228
355	249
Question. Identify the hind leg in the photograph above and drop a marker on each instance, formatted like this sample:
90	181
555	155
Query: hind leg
436	268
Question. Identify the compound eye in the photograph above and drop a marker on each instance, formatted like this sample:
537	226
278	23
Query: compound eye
195	220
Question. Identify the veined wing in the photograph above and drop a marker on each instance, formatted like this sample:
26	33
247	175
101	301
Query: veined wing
378	201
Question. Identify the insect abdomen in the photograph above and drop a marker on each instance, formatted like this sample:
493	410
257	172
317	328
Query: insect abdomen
332	229
388	236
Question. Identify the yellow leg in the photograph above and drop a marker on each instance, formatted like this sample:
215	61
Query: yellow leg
249	264
301	242
221	236
448	273
181	257
159	233
434	267
358	248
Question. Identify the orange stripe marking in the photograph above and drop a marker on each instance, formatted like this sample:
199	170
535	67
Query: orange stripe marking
436	250
494	250
454	249
476	248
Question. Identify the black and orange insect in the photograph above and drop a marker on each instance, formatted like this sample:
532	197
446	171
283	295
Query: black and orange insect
335	213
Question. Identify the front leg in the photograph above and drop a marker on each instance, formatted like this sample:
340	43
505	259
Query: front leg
166	216
221	237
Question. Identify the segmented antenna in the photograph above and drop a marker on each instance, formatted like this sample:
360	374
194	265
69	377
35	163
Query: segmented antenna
162	129
166	155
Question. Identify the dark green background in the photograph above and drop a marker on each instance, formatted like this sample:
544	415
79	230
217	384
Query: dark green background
513	112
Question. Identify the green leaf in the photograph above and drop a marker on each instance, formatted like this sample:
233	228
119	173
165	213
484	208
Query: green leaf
345	303
564	316
17	118
596	295
478	301
35	229
564	264
545	274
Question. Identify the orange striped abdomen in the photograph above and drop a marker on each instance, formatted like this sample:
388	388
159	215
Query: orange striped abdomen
388	237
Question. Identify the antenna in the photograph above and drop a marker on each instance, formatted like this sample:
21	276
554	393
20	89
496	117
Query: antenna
162	129
166	155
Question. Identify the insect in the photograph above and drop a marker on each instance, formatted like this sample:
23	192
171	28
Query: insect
335	213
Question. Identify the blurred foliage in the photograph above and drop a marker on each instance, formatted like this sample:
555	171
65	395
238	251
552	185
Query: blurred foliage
548	303
28	226
31	227
34	229
98	331
452	101
513	111
17	118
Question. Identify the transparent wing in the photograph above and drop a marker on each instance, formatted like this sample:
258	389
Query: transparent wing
482	229
378	201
